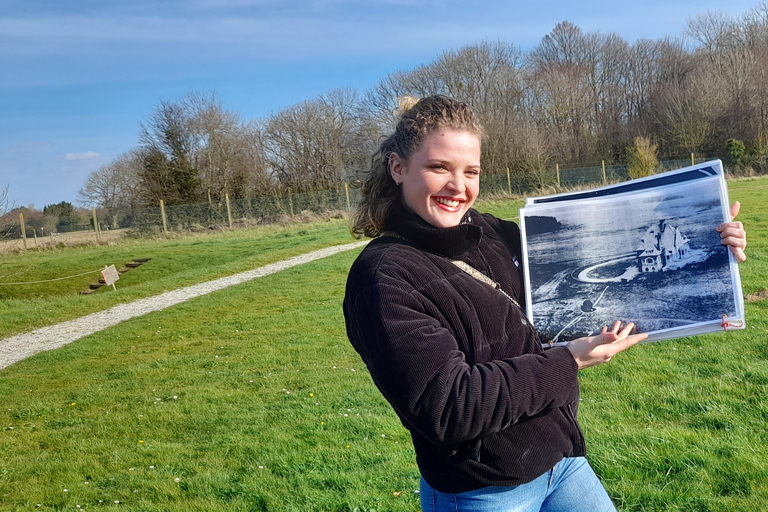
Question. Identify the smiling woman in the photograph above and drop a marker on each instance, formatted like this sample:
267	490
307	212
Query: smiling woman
433	307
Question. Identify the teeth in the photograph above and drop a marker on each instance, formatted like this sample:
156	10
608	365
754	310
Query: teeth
453	203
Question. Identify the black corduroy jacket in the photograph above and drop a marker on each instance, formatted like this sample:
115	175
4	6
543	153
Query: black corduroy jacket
457	360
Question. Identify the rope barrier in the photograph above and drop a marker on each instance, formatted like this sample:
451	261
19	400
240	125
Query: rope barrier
52	280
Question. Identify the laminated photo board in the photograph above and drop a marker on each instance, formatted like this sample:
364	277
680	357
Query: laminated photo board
643	251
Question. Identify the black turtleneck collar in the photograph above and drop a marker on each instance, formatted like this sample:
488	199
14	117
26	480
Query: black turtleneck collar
450	242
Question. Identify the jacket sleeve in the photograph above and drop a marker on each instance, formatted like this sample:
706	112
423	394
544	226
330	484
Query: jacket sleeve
418	366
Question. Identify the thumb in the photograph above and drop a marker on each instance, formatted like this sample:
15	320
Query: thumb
735	208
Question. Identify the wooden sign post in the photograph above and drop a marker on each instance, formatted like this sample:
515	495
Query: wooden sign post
110	275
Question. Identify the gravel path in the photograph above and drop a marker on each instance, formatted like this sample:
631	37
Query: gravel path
24	345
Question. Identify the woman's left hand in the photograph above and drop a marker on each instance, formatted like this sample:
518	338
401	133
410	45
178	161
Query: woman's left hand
733	235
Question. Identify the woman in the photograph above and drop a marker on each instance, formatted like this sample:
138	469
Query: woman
433	306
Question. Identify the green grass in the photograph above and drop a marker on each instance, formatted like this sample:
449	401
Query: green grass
253	398
176	262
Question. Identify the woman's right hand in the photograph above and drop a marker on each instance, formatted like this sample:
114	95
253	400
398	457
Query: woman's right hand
593	350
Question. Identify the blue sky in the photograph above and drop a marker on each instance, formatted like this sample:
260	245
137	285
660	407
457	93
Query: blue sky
77	77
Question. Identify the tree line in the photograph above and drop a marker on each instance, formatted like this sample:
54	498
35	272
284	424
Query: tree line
576	98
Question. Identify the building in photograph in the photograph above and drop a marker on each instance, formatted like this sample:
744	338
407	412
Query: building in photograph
661	245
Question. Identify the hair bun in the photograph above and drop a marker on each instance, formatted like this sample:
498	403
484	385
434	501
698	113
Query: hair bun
404	104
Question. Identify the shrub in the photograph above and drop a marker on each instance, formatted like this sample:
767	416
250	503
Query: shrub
735	151
642	158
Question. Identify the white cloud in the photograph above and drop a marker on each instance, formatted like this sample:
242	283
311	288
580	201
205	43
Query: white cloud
88	155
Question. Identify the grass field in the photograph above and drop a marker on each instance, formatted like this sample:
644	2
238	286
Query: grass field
176	261
251	398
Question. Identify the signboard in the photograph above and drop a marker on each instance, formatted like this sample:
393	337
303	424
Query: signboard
110	275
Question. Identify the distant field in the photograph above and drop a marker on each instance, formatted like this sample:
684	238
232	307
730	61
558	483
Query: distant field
251	398
61	240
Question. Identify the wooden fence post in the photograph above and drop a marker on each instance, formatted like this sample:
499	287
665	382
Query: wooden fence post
229	211
604	180
693	160
23	230
346	190
509	182
557	170
96	225
162	214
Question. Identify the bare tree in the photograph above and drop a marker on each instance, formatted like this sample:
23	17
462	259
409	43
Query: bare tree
4	201
561	96
533	158
250	172
728	46
311	144
488	76
217	134
115	186
689	113
641	82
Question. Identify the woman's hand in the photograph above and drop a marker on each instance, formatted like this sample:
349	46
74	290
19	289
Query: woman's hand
593	350
733	235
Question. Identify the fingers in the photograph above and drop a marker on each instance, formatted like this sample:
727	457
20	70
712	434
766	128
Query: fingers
629	341
733	234
599	349
626	330
735	237
618	332
738	254
622	342
733	226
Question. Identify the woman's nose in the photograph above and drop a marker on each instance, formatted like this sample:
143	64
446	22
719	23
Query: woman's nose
456	182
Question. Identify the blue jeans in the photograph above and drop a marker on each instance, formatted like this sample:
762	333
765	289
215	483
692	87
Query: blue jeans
570	486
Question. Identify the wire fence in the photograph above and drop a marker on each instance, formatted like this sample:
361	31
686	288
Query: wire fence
290	205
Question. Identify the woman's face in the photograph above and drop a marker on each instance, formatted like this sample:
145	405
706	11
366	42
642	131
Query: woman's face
441	180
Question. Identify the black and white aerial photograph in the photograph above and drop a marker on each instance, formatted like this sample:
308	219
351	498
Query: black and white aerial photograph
652	257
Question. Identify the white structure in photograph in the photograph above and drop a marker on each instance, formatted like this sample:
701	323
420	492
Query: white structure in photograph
662	245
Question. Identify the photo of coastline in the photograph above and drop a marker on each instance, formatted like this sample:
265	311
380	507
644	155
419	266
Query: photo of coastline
652	257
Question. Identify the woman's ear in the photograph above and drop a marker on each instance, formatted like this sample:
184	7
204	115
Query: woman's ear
396	167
